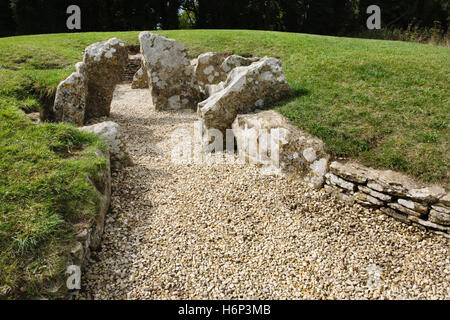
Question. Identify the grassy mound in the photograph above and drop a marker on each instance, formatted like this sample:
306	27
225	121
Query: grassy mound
383	103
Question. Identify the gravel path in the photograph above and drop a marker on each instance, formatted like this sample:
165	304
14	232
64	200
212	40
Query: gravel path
230	232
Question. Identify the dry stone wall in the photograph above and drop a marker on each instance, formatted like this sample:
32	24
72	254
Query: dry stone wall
133	65
391	192
140	79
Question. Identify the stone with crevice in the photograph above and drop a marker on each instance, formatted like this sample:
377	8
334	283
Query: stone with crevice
235	61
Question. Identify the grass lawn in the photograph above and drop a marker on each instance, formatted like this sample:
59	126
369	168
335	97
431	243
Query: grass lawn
384	103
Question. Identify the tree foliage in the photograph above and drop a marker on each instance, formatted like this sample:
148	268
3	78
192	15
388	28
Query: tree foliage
49	16
332	17
7	24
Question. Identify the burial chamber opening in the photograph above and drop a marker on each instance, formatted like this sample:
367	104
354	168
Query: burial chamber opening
87	93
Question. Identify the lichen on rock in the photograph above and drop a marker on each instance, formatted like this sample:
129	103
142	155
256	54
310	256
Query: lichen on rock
70	99
208	68
270	139
104	65
170	73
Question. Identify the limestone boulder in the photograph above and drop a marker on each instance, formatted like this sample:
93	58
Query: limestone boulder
133	65
234	61
208	69
246	89
104	65
440	214
270	139
110	132
70	99
389	183
140	79
170	73
400	185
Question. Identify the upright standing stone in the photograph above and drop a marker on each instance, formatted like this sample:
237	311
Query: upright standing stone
170	74
105	62
133	65
70	99
140	79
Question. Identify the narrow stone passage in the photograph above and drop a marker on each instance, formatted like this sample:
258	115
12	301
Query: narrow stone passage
230	232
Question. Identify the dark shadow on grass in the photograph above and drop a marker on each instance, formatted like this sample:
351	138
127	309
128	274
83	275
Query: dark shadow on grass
297	93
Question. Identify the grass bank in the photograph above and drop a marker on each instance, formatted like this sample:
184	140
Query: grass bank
44	188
